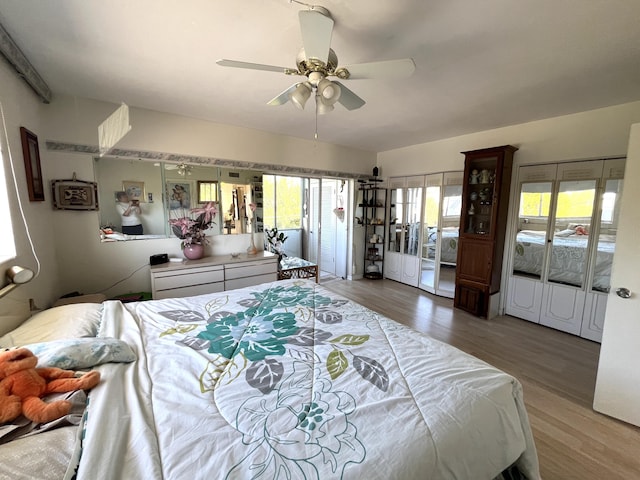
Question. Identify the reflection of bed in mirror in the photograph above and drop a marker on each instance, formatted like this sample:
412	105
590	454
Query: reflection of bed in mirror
567	261
448	245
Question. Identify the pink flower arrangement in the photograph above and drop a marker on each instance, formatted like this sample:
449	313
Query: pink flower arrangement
191	230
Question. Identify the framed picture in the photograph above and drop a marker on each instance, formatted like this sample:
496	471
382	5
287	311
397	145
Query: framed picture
179	195
74	195
135	190
31	154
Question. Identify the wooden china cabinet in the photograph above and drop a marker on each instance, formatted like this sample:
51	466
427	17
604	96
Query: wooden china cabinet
483	221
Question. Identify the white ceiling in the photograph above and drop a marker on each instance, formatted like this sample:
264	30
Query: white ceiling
480	64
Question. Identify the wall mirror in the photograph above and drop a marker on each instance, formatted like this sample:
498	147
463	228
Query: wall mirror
166	190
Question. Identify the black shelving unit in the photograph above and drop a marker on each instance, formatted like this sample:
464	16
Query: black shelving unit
373	208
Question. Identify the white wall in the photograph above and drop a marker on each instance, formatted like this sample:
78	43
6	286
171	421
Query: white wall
22	108
88	266
593	134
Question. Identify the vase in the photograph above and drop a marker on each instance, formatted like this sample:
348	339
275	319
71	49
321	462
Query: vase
193	251
252	250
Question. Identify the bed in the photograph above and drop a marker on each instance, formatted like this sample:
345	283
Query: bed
567	263
290	380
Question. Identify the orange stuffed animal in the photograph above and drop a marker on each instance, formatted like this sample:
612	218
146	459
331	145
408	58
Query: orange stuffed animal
22	385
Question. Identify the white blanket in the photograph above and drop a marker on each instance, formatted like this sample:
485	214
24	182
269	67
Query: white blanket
289	380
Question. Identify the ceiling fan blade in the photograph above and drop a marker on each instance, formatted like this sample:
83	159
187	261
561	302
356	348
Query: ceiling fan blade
283	97
348	99
387	69
316	29
251	66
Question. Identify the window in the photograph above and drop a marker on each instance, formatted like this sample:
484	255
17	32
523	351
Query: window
7	242
452	202
207	191
283	201
535	199
576	199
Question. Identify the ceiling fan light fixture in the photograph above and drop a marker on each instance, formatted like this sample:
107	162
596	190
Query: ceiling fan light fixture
322	106
300	95
184	169
329	91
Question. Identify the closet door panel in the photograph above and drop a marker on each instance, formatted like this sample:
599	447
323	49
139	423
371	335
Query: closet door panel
562	308
524	298
411	270
393	266
594	313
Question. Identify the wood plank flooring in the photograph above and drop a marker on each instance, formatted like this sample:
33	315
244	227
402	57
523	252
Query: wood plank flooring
557	371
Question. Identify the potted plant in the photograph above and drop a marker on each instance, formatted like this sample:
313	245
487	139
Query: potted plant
276	241
191	229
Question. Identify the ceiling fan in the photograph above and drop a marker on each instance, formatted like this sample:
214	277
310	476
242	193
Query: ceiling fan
316	61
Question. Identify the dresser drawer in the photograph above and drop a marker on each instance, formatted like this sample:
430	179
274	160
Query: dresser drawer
252	269
190	290
250	281
188	277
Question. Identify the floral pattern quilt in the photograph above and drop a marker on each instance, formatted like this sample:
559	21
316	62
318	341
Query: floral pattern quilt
288	380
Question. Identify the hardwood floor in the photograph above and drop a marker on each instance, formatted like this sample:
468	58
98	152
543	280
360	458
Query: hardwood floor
557	371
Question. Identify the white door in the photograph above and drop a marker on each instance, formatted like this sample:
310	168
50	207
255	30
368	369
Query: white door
328	227
618	383
314	219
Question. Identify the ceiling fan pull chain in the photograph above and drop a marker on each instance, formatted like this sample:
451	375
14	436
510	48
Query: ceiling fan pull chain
301	3
316	133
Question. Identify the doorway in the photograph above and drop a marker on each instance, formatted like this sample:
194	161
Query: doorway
328	230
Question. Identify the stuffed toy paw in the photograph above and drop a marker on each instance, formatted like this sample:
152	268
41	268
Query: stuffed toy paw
22	385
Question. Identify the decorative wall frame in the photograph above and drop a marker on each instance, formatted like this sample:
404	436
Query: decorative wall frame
135	190
179	195
31	154
74	194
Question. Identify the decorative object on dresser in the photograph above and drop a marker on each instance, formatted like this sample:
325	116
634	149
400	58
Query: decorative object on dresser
192	230
252	250
482	231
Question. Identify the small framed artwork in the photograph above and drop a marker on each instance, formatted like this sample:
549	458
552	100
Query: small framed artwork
33	171
179	195
74	195
135	190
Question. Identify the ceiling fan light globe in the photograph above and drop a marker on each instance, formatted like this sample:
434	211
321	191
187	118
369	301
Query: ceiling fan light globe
329	91
323	107
300	95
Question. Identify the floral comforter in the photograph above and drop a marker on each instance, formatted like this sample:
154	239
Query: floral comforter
287	380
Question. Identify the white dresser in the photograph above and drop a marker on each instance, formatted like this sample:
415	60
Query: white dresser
212	274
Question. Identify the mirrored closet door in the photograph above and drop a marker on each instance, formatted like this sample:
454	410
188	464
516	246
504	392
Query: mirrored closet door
562	252
440	226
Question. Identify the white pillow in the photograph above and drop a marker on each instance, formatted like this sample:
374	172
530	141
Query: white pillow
66	321
565	233
78	353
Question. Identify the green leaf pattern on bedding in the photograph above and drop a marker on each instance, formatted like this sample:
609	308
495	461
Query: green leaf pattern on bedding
295	399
